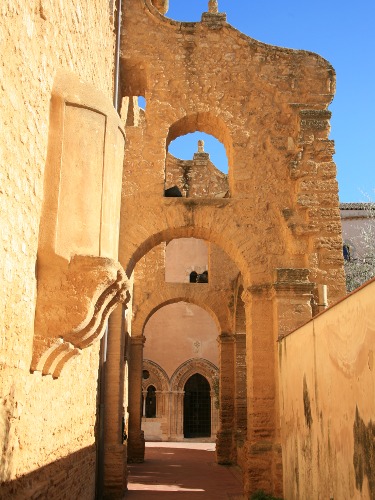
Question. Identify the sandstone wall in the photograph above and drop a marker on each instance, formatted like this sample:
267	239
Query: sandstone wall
43	422
268	106
327	384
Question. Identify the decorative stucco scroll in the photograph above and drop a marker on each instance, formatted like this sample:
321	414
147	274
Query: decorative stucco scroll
79	279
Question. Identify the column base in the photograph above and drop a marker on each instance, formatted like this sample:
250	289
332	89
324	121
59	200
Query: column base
224	448
262	469
136	448
115	471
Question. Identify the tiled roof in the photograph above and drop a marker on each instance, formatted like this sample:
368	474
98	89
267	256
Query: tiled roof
357	206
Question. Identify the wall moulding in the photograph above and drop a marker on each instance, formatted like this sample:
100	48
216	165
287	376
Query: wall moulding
79	279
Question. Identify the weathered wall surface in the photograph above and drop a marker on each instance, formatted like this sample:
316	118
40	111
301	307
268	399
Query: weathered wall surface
42	421
327	405
281	175
196	178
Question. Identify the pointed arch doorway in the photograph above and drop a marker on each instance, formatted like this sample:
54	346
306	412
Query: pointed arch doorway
197	407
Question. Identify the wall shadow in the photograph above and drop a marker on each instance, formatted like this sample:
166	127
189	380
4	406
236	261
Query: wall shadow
70	477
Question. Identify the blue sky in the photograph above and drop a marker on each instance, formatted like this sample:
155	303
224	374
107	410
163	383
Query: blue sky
340	31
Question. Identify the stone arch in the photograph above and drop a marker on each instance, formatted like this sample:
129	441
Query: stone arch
158	376
234	247
159	381
174	300
189	368
178	380
207	122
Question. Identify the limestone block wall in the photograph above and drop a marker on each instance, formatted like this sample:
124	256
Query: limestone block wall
327	405
44	423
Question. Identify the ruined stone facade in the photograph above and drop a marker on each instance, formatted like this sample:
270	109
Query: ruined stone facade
88	224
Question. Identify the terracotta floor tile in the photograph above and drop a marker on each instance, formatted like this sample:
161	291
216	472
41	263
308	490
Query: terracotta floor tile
183	471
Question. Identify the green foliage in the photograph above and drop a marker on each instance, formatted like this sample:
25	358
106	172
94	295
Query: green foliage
261	495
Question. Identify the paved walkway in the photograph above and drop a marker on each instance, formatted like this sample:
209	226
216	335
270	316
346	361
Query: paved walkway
183	471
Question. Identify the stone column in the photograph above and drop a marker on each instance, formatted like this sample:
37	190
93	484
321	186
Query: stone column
224	438
293	293
115	468
144	396
262	466
240	410
293	297
272	310
179	409
136	441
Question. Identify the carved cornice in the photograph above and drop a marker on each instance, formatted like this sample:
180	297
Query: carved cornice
140	341
74	301
226	338
293	280
79	281
264	289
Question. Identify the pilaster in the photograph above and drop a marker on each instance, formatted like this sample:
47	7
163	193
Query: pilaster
136	441
262	465
224	439
115	470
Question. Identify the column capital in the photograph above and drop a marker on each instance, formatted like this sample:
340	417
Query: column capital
138	341
226	338
293	280
255	290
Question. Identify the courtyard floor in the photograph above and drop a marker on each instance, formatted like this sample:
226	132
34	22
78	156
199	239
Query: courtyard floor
183	471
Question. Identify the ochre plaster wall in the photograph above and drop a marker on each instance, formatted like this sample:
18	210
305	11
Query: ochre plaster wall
327	404
46	425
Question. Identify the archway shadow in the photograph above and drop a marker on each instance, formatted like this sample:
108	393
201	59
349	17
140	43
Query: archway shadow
183	470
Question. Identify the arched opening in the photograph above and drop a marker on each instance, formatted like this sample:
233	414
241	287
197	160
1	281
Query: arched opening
186	261
227	245
186	146
197	407
196	168
187	328
150	404
181	339
133	90
190	171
